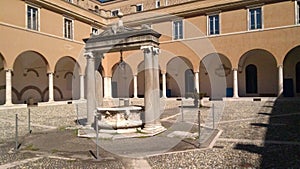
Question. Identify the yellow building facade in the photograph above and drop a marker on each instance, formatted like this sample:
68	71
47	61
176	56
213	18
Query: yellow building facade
247	48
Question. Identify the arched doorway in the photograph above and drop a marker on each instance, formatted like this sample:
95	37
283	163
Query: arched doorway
291	73
179	73
258	74
298	77
122	80
251	79
66	80
189	83
215	77
29	78
2	80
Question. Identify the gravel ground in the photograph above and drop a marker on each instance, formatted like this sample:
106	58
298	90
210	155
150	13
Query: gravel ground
251	138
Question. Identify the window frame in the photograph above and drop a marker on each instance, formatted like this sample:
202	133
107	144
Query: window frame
139	5
69	1
38	17
249	18
209	26
157	4
94	28
173	29
72	28
114	10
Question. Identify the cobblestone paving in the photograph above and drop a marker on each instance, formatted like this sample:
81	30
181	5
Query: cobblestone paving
247	128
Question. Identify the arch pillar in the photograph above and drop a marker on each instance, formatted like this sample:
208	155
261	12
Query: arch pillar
8	91
280	80
235	83
51	87
107	87
164	84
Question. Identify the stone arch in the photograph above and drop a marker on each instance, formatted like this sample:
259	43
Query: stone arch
29	72
122	77
176	68
215	76
66	78
267	73
290	63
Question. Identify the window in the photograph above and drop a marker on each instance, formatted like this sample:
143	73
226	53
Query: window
71	1
255	18
157	3
166	3
139	7
298	12
32	18
177	30
213	24
68	28
95	31
115	12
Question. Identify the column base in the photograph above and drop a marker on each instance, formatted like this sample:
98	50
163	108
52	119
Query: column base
235	97
153	129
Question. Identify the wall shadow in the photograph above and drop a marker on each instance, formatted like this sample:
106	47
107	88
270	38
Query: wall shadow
281	148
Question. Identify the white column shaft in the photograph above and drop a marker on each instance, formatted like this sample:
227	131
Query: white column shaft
280	80
135	86
8	93
235	84
107	87
164	87
51	86
197	82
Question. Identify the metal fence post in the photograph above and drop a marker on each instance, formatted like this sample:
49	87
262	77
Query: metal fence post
97	136
199	127
213	115
29	127
182	118
77	122
16	136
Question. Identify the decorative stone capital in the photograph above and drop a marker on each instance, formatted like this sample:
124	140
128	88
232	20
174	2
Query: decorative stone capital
94	55
148	49
89	55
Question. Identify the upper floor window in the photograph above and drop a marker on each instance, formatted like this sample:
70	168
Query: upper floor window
177	29
214	24
255	18
68	28
95	31
71	1
298	12
139	7
115	12
32	18
157	3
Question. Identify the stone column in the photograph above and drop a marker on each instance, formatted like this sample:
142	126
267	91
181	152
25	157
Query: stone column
280	80
81	87
91	90
135	86
197	82
235	84
107	87
164	85
151	100
8	89
51	86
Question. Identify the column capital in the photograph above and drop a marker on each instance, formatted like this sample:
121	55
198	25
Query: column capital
235	69
153	49
279	66
93	55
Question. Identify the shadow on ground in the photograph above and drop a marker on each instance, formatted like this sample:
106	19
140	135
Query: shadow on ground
281	147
